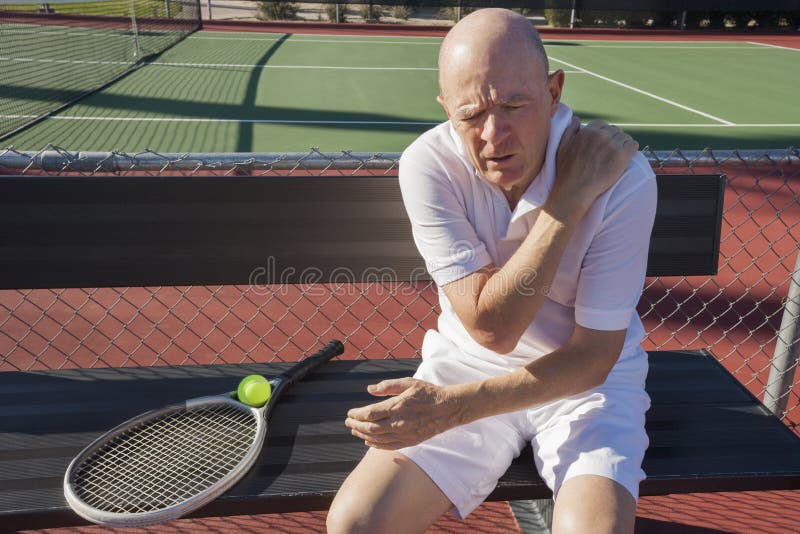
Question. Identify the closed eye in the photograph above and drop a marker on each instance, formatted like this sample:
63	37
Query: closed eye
472	116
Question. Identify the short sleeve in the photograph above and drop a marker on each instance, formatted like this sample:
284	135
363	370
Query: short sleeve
444	236
613	270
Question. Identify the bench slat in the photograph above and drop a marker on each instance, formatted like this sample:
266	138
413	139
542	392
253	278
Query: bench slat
703	438
97	231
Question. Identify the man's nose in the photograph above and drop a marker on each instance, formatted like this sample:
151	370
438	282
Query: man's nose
495	127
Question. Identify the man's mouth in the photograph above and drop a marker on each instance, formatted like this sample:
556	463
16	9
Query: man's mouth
499	159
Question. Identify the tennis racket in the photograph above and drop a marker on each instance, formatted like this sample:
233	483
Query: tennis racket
165	463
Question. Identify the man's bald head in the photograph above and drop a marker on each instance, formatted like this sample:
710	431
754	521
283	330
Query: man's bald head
488	35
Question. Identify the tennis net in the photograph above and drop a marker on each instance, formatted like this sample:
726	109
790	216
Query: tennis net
54	53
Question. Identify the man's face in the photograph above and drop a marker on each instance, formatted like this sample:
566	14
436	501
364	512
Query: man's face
501	110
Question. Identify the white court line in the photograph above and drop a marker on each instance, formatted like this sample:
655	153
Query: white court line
223	65
641	91
296	41
208	65
390	123
668	47
61	61
555	43
298	38
774	46
691	41
313	67
200	119
738	125
321	67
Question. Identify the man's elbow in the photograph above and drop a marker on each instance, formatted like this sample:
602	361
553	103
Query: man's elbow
494	339
604	354
598	377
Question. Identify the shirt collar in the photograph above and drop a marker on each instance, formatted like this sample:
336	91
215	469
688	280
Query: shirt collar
536	194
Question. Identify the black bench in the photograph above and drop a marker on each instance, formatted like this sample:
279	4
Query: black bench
708	433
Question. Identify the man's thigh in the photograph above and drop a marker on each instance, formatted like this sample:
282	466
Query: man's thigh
600	432
386	492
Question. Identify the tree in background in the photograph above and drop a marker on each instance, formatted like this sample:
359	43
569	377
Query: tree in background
280	10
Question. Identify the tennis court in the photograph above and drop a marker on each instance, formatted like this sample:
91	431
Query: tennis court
271	92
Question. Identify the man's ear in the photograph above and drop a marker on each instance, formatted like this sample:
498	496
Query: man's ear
555	85
440	100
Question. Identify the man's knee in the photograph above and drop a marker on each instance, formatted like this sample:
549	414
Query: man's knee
591	503
347	515
386	492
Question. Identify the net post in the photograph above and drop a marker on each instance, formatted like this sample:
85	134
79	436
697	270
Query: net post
137	51
784	361
572	15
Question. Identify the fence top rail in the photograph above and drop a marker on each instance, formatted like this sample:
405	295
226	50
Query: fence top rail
55	159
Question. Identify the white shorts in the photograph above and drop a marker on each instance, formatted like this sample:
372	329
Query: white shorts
599	432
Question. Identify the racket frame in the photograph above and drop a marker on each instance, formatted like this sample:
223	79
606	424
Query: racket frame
261	414
139	519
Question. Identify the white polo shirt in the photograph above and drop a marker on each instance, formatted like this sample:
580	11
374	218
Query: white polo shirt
461	223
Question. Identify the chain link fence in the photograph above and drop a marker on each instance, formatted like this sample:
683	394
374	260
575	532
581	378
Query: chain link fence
737	314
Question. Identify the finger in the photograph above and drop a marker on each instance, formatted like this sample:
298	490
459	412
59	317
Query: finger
569	133
597	124
628	141
574	126
390	387
373	412
572	129
372	438
630	147
619	135
381	427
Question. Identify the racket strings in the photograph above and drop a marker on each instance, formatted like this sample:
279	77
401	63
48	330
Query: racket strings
166	461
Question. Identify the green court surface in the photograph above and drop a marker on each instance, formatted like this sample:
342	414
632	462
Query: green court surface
237	92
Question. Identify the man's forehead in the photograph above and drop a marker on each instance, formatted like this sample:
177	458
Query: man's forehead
468	104
508	73
480	88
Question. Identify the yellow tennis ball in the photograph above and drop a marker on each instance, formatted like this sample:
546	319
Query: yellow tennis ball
254	390
257	393
240	393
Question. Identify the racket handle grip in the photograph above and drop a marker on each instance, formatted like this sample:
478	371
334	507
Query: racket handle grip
302	368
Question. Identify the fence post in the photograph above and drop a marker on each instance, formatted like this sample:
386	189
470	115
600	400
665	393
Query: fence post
572	15
784	361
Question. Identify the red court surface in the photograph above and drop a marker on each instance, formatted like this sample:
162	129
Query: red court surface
742	513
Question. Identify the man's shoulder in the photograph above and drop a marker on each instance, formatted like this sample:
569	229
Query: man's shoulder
639	172
437	140
638	179
435	153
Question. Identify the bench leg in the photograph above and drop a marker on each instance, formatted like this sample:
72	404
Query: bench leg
534	516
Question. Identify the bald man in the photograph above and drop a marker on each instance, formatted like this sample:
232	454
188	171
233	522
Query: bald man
536	234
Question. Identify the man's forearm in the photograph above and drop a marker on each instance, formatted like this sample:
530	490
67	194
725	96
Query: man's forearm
511	297
569	370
